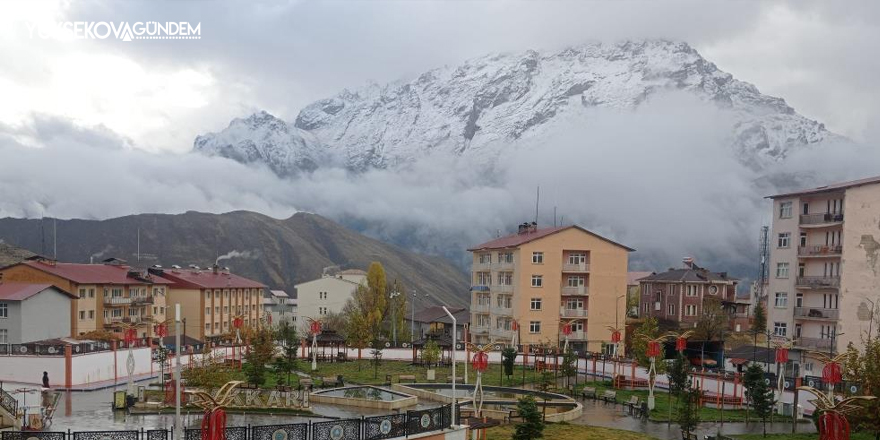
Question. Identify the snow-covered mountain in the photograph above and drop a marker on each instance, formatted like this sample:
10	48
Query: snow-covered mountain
263	138
479	108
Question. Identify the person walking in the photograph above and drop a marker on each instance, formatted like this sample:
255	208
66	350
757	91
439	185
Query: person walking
45	379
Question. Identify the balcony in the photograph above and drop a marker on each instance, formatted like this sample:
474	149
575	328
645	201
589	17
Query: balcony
580	267
502	333
115	320
816	313
572	313
142	300
117	301
823	219
822	344
479	330
480	308
504	311
503	265
480	288
482	267
502	288
818	282
575	290
820	251
580	335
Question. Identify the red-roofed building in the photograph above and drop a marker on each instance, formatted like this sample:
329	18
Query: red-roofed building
109	296
33	312
546	280
211	299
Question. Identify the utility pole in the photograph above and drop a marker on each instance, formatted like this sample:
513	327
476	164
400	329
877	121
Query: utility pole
393	295
412	320
178	428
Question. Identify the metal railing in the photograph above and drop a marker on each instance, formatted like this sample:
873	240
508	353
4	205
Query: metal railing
818	219
117	300
9	403
572	313
479	330
580	267
821	250
816	313
821	282
502	288
575	290
480	308
813	343
406	424
503	265
577	336
506	311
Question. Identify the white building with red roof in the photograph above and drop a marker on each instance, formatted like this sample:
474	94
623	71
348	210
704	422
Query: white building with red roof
33	312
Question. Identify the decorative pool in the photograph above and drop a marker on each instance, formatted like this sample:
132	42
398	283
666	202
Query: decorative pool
365	396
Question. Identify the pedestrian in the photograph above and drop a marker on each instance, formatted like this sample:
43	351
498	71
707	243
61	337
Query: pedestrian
45	379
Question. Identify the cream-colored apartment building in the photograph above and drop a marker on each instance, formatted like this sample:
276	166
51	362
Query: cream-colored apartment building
824	273
326	295
544	278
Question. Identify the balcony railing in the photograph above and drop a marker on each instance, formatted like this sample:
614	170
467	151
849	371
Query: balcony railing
124	319
813	343
501	332
577	336
502	288
117	300
572	313
816	313
508	311
479	330
575	290
581	267
480	308
503	265
480	288
818	282
819	251
142	299
818	219
482	267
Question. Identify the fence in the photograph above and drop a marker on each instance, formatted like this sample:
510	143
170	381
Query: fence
364	428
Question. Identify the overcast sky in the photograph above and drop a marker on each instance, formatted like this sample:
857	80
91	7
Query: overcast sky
280	55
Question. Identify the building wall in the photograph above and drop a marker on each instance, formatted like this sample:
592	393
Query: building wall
680	300
21	273
310	304
191	308
785	313
45	316
12	323
860	268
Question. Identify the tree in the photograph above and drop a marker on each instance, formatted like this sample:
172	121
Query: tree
260	353
712	322
760	394
678	379
568	367
397	307
431	353
287	337
376	354
759	319
532	426
689	409
508	360
651	330
365	311
866	367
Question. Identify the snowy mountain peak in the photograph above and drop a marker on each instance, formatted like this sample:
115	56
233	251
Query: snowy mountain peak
482	106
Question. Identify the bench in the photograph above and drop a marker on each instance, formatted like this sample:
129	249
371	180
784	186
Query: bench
330	381
457	379
588	392
633	404
411	378
609	396
306	383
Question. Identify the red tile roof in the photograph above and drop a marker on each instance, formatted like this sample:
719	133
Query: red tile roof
94	273
516	240
207	279
832	187
23	291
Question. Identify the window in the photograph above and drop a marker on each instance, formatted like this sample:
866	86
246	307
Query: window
799	300
505	257
780	328
4	310
537	258
207	326
217	310
504	301
537	280
785	210
484	279
808	367
803	239
536	304
4	336
784	240
577	258
91	314
781	299
505	278
207	296
690	310
535	327
713	290
574	304
207	311
576	281
82	293
82	315
691	290
670	309
781	270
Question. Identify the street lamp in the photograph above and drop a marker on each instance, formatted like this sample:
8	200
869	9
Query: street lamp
454	352
393	295
616	323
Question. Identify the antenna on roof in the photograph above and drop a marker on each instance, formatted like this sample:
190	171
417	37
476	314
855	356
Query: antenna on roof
54	238
139	245
537	200
554	217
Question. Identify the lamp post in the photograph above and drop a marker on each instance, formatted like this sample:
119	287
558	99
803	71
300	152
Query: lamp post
616	323
178	427
454	352
393	295
314	329
412	320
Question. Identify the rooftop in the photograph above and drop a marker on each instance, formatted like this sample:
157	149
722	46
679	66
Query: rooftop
209	279
829	188
279	293
520	238
23	291
436	314
632	278
95	273
691	273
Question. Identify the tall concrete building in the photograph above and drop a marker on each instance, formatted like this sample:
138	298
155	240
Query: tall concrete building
326	295
824	267
542	279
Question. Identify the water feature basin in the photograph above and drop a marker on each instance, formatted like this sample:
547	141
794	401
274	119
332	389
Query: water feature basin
365	396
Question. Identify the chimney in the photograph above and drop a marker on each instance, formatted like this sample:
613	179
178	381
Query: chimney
688	262
216	268
533	227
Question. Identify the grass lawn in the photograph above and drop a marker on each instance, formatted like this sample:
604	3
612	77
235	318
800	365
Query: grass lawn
853	436
362	372
570	432
662	401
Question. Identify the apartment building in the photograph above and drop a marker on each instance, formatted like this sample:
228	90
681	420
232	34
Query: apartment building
326	295
824	271
210	300
280	306
537	280
109	296
679	295
33	312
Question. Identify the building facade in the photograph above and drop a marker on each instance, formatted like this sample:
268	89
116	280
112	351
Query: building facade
280	306
538	280
680	295
109	296
33	312
824	269
211	299
326	295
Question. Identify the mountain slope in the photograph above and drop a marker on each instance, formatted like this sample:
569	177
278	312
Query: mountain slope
11	254
476	110
280	253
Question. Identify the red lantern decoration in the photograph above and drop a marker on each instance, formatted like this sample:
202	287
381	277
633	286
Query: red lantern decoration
214	424
161	330
480	361
653	349
315	327
615	336
831	373
681	344
129	335
269	318
781	355
566	329
833	426
237	322
514	325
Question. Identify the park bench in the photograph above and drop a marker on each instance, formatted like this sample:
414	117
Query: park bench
588	392
633	404
609	396
332	382
306	383
411	378
449	378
